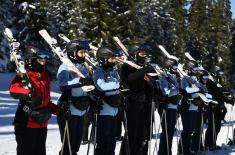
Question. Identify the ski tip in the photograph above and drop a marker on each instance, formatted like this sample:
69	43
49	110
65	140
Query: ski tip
8	33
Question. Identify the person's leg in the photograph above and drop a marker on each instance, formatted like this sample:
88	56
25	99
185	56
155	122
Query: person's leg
41	141
26	139
167	136
106	135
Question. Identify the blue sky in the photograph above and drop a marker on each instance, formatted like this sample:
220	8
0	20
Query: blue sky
233	7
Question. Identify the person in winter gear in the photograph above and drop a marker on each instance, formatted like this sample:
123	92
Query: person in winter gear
73	99
215	112
35	107
138	107
106	80
168	111
191	112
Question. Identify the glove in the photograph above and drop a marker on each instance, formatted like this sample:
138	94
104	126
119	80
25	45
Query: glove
97	105
86	81
65	113
201	91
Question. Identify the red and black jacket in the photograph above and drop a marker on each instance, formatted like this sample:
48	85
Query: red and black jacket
41	85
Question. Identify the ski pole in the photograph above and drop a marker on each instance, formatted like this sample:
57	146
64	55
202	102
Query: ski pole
151	126
230	119
155	147
181	142
213	130
167	142
66	132
201	133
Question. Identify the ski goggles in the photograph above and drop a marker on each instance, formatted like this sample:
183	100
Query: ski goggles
174	67
43	55
205	77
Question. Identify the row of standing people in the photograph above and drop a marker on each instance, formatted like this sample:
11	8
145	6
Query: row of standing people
74	103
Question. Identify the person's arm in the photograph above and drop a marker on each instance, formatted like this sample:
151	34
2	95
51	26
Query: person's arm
17	89
187	88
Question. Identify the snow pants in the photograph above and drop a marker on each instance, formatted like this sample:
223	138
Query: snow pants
30	141
211	134
138	132
191	134
169	126
75	125
106	135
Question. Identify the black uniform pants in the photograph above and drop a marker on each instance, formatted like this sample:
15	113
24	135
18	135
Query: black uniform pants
30	141
210	140
137	130
106	135
170	115
191	133
75	125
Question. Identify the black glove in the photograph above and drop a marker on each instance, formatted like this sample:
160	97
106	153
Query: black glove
86	81
97	105
65	113
202	91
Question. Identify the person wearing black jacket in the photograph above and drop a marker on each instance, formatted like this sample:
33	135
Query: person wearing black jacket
216	112
137	103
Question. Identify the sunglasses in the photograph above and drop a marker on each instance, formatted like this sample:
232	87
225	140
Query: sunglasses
43	55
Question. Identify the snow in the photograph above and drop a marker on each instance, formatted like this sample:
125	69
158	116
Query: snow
8	106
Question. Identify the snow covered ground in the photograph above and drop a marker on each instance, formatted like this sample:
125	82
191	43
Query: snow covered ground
7	139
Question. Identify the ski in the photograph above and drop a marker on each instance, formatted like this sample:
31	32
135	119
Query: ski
124	50
169	56
16	57
189	56
57	50
19	62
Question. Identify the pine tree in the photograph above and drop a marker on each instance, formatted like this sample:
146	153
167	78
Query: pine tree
179	13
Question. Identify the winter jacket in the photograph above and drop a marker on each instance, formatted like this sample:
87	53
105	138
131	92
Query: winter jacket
169	89
107	82
70	85
41	86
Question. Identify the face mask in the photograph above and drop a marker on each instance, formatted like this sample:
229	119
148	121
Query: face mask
141	60
109	65
80	60
37	67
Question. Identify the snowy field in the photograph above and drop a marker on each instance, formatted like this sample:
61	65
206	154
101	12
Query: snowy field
7	138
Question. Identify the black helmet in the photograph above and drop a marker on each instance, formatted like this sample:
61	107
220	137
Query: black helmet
145	47
30	52
74	46
103	53
133	50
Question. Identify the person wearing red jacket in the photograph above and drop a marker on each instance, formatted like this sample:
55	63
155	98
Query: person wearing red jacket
34	108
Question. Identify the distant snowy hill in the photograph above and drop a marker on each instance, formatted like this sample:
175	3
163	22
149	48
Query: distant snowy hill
8	106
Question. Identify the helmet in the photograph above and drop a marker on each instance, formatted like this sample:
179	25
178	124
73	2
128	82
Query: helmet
145	47
103	53
133	50
34	52
205	75
30	52
74	46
